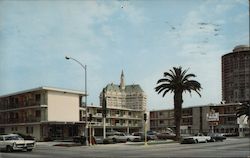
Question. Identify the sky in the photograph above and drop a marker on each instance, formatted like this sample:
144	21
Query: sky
143	38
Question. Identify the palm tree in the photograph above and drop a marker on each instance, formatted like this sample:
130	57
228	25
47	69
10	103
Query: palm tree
244	109
177	81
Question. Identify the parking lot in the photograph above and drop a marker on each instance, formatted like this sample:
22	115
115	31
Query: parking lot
232	147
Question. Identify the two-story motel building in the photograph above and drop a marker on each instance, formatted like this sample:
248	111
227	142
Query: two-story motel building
43	112
194	120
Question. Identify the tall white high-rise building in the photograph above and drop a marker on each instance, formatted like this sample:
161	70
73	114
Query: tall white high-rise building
124	96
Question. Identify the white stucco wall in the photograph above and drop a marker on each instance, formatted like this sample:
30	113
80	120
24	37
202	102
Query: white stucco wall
63	106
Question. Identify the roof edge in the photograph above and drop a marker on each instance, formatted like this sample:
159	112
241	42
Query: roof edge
44	88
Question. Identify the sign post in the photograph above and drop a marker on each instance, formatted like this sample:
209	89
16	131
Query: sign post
213	119
145	129
90	132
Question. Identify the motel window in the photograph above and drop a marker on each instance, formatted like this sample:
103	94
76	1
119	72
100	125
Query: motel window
38	113
29	130
38	97
14	129
16	115
2	131
16	100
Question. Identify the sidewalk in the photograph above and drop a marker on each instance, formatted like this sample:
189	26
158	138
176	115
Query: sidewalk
53	143
72	144
151	142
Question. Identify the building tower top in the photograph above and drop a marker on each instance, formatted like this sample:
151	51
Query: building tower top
122	83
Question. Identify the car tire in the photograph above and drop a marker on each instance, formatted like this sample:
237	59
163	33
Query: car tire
196	141
29	150
114	140
128	140
9	149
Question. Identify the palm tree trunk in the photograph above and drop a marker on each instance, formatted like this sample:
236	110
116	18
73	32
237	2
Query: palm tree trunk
177	113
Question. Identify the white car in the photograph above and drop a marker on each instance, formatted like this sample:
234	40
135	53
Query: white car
13	142
132	138
117	137
197	138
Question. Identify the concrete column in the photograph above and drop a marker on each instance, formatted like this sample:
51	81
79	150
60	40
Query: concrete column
93	130
127	129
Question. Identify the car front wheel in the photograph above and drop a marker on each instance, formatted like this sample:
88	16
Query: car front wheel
213	140
196	141
9	149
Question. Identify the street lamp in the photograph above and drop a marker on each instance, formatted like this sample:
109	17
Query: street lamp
86	119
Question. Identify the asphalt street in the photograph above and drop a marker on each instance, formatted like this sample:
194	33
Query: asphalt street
232	147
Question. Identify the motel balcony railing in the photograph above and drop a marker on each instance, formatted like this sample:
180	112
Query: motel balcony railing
19	120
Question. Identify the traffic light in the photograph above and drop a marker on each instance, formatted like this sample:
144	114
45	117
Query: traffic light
145	116
90	117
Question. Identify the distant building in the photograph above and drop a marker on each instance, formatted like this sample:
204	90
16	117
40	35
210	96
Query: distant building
117	119
194	119
125	105
236	75
124	96
43	112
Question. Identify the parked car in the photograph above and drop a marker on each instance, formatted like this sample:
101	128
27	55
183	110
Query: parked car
142	135
13	142
101	140
117	137
216	137
152	135
197	138
166	135
132	138
25	137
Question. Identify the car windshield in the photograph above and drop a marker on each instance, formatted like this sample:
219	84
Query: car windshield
13	138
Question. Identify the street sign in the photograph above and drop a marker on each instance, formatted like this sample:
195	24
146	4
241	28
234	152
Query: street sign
212	116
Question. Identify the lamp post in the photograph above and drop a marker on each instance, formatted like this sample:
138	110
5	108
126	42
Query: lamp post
86	119
104	111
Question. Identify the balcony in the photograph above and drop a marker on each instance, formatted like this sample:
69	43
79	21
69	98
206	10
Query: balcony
117	124
20	120
98	115
97	124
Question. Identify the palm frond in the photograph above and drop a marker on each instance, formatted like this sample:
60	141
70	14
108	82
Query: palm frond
177	80
161	88
244	109
163	80
185	78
